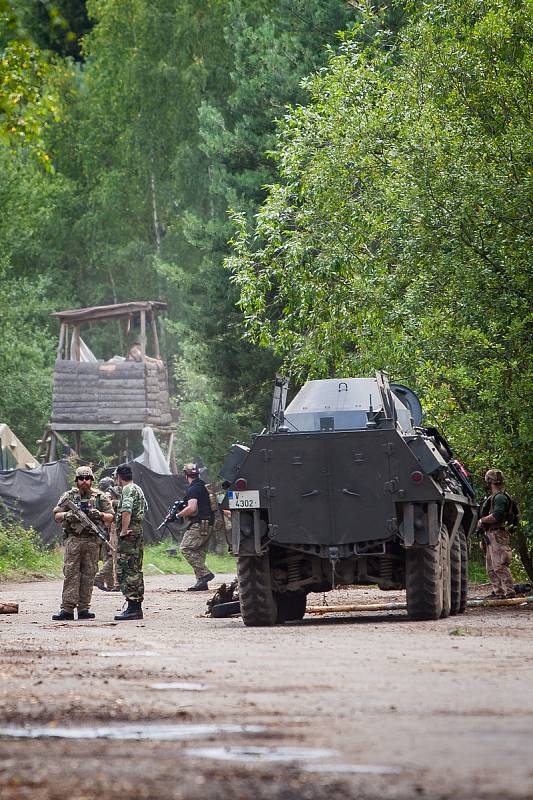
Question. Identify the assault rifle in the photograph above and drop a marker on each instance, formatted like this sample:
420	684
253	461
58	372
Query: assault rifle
172	516
82	517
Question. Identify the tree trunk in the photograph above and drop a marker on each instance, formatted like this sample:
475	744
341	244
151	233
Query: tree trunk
525	553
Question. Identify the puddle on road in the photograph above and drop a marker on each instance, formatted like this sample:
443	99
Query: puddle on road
131	731
258	754
183	686
362	769
262	755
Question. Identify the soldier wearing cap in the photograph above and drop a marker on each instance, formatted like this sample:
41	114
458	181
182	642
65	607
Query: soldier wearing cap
196	539
128	520
82	545
106	577
496	542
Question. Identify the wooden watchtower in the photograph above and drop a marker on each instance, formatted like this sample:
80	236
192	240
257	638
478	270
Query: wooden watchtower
124	393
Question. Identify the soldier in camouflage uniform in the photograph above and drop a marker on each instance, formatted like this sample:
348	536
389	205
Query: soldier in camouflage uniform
106	577
196	539
81	545
496	542
128	519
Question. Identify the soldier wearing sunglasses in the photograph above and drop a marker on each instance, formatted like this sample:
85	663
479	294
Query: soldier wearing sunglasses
82	546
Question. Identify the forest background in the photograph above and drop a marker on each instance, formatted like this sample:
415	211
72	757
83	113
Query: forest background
370	163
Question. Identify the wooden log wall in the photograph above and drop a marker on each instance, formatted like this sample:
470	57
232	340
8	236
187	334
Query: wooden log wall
107	393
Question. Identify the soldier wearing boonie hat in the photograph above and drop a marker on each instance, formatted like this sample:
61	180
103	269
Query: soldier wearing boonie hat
82	545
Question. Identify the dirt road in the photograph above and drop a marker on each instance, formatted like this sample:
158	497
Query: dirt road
373	706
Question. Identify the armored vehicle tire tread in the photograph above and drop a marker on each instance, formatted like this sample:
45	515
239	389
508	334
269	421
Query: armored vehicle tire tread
423	581
456	574
258	605
445	573
464	570
291	606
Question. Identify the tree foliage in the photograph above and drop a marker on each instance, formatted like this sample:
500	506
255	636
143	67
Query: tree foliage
271	47
28	102
399	234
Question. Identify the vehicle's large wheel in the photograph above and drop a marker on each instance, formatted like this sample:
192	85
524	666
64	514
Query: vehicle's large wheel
423	580
258	605
291	606
464	570
455	569
445	573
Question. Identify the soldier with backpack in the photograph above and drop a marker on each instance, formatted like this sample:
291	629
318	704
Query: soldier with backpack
495	521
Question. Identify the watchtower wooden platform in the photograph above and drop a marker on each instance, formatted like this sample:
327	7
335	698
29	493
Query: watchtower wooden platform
122	394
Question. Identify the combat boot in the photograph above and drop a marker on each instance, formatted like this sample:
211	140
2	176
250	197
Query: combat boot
86	614
63	616
201	583
133	611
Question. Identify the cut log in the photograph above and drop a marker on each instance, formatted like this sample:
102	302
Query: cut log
9	608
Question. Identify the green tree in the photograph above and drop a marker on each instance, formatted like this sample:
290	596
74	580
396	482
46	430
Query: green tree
26	354
272	47
399	234
27	101
56	26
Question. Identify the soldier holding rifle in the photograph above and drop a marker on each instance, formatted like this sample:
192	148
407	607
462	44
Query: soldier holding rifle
81	511
196	509
106	578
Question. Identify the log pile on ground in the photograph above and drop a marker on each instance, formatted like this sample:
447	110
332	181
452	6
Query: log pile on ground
9	608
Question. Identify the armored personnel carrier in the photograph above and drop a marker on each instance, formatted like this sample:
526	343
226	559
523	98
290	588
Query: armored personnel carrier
347	486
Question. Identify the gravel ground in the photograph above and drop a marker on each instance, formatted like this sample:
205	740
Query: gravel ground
182	706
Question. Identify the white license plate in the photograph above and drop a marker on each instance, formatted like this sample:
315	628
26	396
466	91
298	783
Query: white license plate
239	500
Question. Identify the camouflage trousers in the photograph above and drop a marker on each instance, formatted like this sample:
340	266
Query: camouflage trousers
107	574
194	546
130	565
498	556
79	569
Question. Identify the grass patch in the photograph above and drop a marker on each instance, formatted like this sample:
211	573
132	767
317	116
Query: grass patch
478	574
156	561
459	631
23	557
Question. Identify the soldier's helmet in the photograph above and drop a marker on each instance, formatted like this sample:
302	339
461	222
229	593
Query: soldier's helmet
106	483
191	469
494	476
84	472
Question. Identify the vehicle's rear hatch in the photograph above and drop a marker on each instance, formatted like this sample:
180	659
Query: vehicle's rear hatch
330	488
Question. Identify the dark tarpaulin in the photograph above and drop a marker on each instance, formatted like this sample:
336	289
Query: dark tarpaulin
160	492
29	495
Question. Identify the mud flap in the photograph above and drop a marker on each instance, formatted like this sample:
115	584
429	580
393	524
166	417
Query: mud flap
420	526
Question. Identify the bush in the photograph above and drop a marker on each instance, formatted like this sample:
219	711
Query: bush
21	553
18	548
